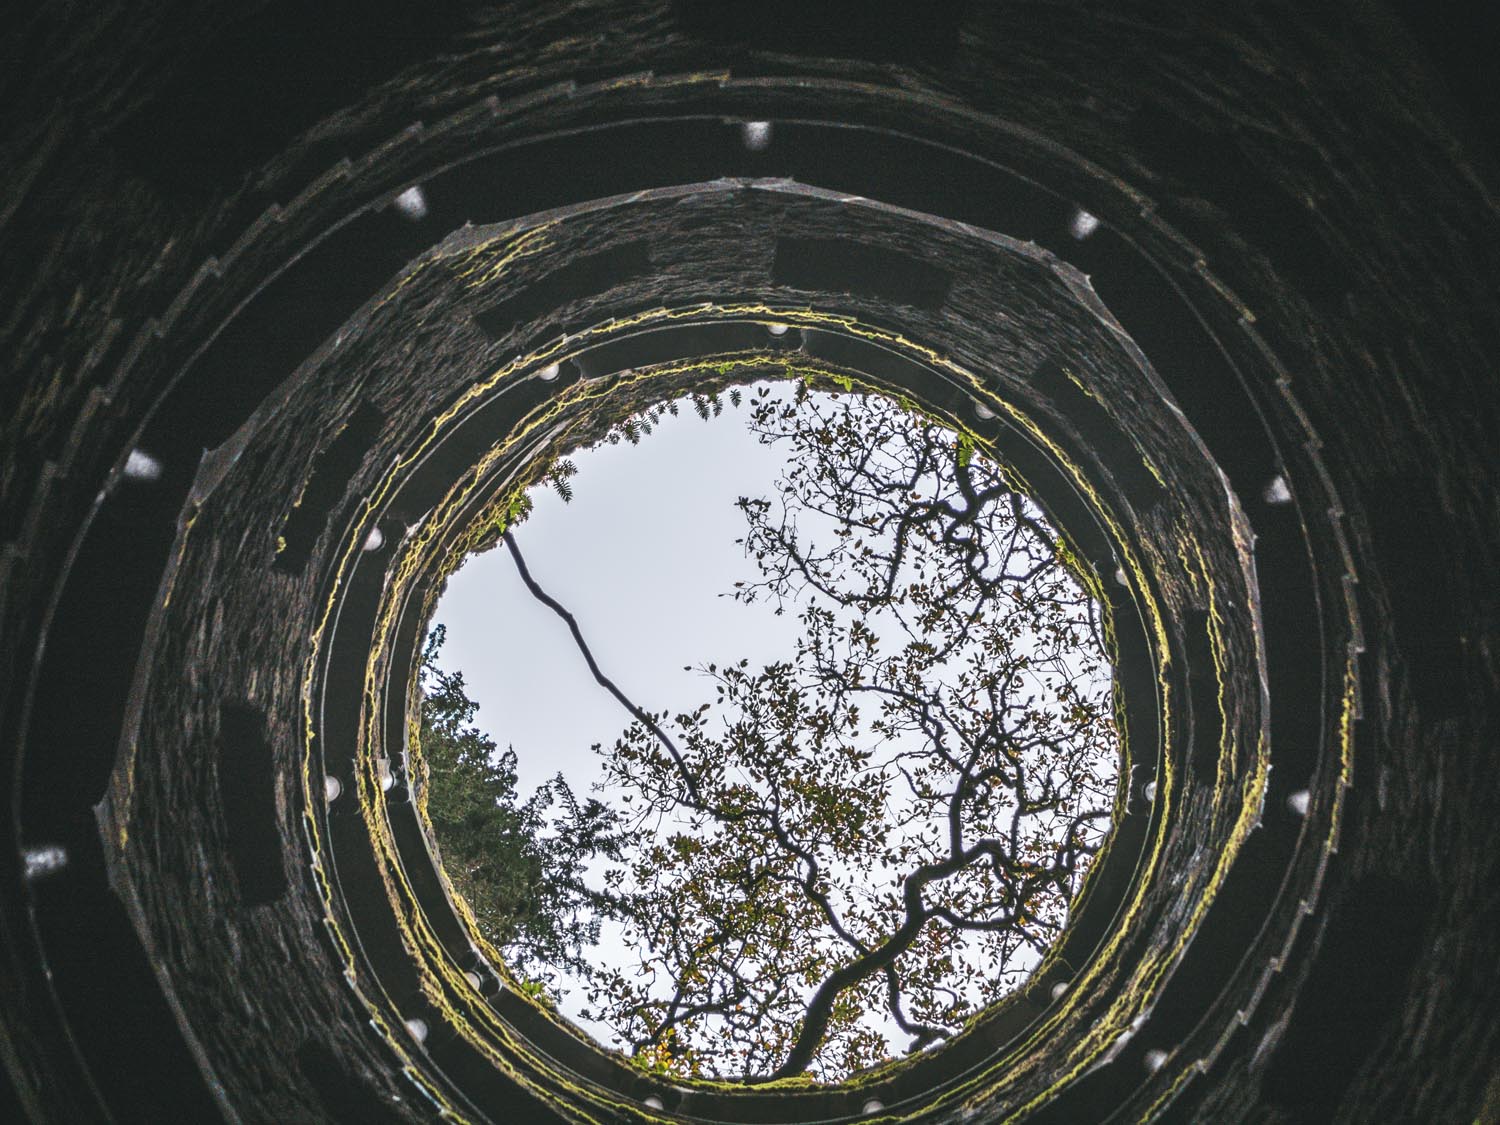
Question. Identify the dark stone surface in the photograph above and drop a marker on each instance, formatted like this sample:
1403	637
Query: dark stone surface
168	166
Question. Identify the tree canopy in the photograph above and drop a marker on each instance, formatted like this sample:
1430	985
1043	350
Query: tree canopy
843	854
519	869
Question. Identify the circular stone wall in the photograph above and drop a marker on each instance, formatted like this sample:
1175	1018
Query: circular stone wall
1181	274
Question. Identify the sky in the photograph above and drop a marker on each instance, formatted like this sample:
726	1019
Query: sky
639	556
644	557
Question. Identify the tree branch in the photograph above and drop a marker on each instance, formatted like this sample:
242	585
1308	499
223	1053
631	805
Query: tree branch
604	681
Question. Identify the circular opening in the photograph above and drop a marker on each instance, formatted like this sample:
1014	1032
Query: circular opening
799	737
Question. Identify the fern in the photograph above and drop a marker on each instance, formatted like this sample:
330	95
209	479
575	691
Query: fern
557	476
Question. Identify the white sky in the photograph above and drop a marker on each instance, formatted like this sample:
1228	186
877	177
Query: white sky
639	557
